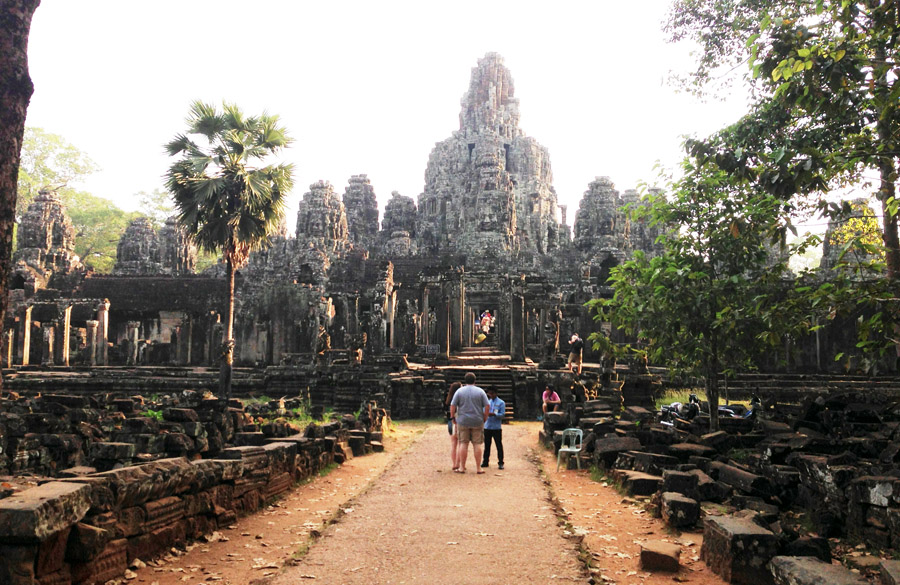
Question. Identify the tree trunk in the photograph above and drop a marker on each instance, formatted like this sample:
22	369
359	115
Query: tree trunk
15	93
227	366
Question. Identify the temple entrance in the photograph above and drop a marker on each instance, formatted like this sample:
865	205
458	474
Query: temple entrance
482	320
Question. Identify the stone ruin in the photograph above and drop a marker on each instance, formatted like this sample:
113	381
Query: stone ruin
346	311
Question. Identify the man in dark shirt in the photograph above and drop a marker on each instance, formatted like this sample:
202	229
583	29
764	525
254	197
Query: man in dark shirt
576	347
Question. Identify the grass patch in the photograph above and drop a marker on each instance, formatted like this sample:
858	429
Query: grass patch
328	469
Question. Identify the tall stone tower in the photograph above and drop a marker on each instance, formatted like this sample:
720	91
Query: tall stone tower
362	212
488	188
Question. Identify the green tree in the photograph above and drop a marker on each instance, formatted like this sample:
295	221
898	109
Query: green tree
224	202
824	77
99	225
48	161
156	205
712	300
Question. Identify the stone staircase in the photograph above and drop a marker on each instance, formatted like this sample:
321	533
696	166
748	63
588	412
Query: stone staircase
487	373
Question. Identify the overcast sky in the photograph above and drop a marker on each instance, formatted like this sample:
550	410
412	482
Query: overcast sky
363	87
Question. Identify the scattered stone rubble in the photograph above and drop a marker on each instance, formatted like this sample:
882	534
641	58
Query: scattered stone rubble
780	484
119	483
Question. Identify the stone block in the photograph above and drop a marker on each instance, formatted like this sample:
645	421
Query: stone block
811	571
657	555
681	482
180	415
738	550
51	553
679	511
162	512
875	490
747	482
357	445
653	463
85	543
684	451
179	443
109	564
638	483
249	439
112	451
377	446
710	490
607	449
33	515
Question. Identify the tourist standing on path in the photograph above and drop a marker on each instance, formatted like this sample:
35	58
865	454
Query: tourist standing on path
550	399
451	423
470	407
576	348
493	428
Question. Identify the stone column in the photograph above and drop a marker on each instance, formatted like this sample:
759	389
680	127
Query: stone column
23	348
103	333
443	329
426	326
517	329
48	334
91	342
9	347
132	335
63	334
456	320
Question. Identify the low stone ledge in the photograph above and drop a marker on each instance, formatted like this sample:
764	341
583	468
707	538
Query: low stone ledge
811	571
33	515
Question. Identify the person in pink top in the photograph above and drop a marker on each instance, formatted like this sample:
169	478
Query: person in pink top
550	399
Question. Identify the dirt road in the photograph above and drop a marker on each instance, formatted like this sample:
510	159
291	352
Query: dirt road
419	523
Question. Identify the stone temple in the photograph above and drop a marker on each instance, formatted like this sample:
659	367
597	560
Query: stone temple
486	233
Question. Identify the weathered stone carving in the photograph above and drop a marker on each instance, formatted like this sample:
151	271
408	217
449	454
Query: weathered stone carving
362	212
46	244
489	187
143	250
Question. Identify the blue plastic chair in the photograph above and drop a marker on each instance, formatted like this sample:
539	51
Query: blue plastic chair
571	443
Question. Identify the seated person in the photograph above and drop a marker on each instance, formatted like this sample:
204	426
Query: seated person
550	399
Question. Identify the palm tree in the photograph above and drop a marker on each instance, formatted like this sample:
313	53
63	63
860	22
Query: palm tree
225	204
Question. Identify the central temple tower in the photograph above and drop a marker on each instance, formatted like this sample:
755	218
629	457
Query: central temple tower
488	188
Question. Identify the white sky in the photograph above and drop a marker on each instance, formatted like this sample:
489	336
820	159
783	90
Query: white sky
363	87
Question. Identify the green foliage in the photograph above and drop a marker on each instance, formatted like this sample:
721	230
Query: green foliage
99	225
826	90
48	161
154	414
224	202
716	296
156	205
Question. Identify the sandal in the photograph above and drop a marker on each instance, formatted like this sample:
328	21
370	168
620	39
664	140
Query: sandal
479	472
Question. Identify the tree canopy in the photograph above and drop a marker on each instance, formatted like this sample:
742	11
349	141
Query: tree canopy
224	202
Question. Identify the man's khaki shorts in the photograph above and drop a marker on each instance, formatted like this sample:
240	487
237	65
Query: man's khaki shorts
470	434
575	358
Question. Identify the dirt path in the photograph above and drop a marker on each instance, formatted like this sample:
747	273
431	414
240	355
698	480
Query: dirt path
422	524
404	518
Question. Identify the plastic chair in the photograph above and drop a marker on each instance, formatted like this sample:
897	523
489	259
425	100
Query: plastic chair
571	443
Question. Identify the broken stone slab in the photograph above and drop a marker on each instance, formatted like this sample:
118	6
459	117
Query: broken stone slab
638	483
749	483
657	555
607	449
33	515
811	571
684	451
738	549
719	441
818	475
679	511
875	490
653	463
